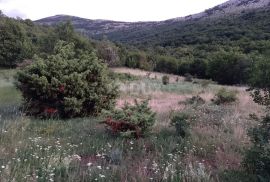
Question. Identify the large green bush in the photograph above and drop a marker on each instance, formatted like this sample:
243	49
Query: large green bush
66	84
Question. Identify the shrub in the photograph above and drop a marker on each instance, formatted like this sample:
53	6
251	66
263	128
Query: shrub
165	80
257	158
224	96
260	82
134	120
196	100
181	124
188	77
66	85
123	76
206	83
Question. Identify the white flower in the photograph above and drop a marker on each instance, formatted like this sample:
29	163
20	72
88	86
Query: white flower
3	167
76	157
99	167
98	155
89	164
109	145
101	175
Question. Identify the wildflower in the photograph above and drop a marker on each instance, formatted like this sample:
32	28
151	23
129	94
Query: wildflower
76	157
89	164
109	145
99	167
3	167
101	175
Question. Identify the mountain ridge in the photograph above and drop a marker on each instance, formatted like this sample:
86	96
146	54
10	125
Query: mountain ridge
100	28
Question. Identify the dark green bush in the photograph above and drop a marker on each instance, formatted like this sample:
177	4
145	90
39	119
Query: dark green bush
229	67
66	84
181	123
257	158
165	80
260	81
134	119
188	77
196	100
224	96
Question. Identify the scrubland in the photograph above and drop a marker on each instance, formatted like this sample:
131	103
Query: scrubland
81	150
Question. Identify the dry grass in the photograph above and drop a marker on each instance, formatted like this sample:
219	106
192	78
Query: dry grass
219	133
217	141
151	75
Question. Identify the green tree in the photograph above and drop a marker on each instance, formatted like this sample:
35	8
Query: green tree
12	43
107	51
260	81
229	67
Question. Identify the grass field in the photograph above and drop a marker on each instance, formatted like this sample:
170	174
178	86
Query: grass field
81	150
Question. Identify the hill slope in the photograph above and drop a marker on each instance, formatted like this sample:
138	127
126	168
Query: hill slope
140	32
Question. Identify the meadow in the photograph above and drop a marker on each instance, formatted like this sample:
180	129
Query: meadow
81	149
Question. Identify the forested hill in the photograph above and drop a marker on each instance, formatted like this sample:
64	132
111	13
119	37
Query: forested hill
252	25
228	21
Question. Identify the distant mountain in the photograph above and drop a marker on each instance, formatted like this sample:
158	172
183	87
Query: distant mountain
95	28
163	32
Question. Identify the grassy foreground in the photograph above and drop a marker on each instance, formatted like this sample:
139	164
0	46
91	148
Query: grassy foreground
81	149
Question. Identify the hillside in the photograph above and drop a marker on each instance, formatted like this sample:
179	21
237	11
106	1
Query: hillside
95	28
172	29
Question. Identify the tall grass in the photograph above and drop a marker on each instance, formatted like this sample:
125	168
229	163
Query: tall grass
81	150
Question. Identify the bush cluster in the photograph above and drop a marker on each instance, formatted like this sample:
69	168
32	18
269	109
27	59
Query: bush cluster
66	84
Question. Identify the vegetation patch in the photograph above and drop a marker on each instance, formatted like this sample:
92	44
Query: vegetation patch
132	120
224	96
66	85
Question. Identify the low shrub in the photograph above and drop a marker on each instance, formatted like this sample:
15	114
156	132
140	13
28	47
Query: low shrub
131	120
188	77
196	100
257	158
224	96
181	123
123	76
165	80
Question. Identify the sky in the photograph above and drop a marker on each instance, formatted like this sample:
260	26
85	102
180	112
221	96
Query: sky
118	10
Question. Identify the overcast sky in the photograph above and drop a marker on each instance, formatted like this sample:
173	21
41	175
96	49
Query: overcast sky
121	10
